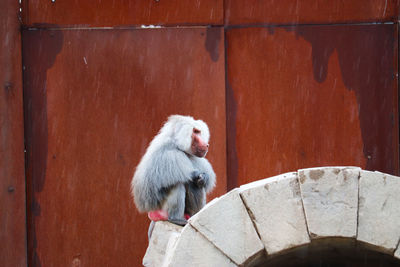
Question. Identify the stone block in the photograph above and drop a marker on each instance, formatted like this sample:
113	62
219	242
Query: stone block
379	210
397	252
278	213
330	199
226	223
193	249
155	252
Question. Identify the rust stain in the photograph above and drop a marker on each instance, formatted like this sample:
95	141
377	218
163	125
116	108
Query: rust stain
306	115
345	176
213	38
366	59
316	174
295	187
40	49
302	177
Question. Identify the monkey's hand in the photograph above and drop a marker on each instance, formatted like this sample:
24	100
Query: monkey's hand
199	178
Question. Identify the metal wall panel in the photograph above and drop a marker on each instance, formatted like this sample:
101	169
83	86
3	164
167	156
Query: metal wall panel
122	12
309	11
309	96
94	99
12	176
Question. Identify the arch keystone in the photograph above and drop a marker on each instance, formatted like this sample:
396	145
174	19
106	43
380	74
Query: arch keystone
277	211
330	199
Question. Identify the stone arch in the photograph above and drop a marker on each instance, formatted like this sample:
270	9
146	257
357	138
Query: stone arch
301	214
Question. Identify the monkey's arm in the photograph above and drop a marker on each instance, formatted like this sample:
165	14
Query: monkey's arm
159	170
204	167
169	167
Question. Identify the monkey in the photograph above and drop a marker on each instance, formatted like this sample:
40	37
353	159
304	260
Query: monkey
173	176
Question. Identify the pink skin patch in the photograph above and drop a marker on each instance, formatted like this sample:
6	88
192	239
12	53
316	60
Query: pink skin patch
158	215
161	215
199	147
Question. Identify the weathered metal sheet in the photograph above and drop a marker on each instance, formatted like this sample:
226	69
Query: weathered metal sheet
12	165
94	99
309	96
309	11
123	13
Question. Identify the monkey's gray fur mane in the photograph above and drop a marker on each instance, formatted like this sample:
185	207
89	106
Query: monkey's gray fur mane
168	161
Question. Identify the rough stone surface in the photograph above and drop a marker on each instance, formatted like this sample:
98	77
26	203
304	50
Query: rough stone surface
397	253
193	249
226	223
330	198
169	251
333	202
158	242
278	212
379	210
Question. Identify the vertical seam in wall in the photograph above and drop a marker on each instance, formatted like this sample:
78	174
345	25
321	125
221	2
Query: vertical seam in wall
25	148
226	110
398	95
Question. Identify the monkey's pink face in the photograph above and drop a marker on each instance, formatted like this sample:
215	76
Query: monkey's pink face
199	146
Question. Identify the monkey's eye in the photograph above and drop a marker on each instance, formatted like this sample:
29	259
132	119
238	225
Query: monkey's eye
196	131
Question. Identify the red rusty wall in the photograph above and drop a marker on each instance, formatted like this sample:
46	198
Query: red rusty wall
309	11
123	12
205	12
294	97
12	178
94	99
311	96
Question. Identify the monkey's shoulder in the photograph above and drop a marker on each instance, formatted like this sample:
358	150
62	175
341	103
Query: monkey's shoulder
199	161
168	152
167	148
